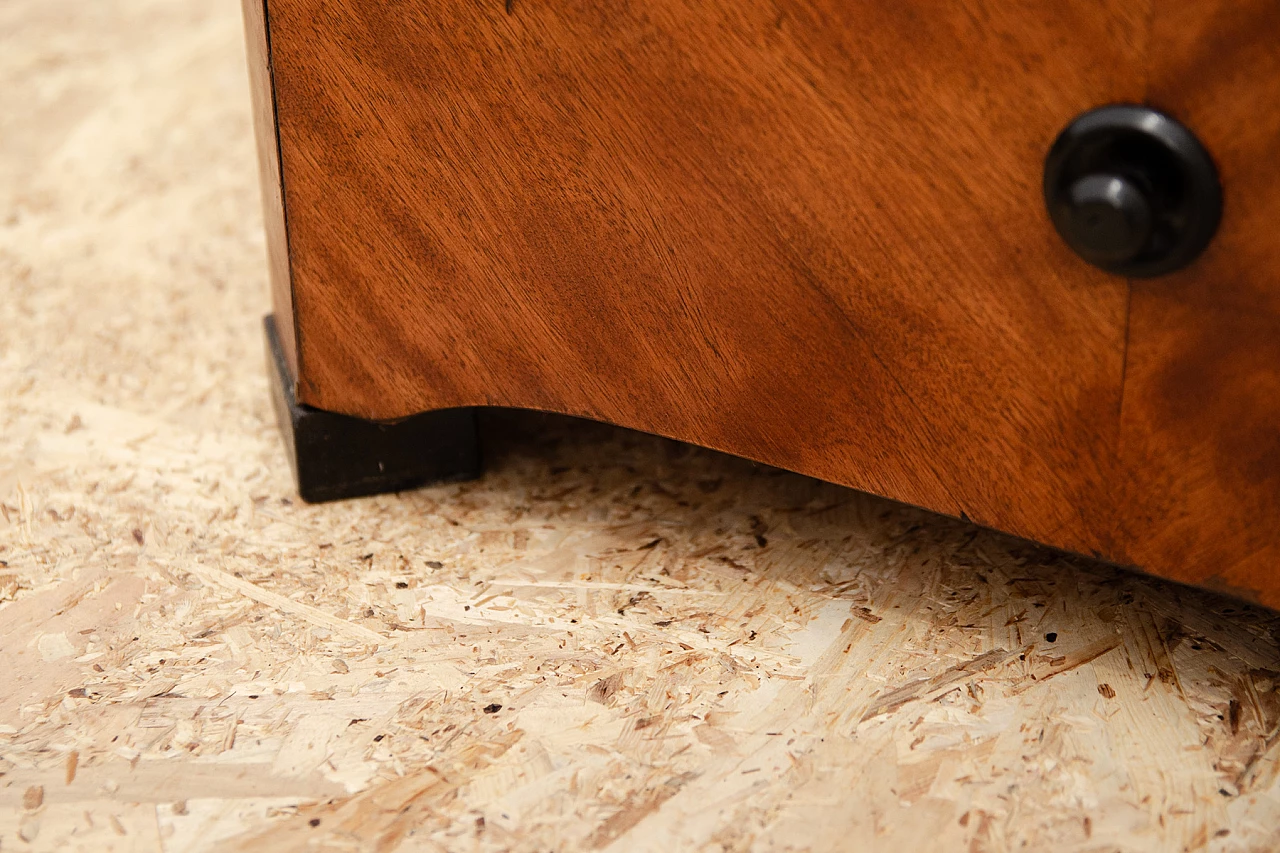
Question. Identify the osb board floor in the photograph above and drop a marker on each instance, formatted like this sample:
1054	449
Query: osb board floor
608	642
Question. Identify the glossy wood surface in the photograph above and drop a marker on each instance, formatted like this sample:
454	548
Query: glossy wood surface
807	232
1201	428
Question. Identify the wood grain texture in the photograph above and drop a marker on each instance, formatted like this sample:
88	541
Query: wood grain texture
257	46
805	232
1201	426
690	652
795	231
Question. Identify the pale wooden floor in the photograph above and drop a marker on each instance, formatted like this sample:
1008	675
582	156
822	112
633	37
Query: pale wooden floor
610	641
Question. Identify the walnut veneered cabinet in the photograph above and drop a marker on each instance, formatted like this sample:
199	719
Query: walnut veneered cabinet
827	235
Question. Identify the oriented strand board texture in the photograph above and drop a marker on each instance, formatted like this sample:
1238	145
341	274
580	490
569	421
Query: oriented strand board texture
609	642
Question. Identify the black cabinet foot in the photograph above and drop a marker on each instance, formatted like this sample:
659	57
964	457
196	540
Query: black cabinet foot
337	456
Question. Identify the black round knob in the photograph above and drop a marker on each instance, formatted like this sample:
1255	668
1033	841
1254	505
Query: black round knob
1107	218
1132	191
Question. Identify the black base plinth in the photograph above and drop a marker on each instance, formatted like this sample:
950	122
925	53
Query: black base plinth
337	456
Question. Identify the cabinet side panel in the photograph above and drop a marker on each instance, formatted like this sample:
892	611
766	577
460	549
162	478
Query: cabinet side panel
1201	411
258	47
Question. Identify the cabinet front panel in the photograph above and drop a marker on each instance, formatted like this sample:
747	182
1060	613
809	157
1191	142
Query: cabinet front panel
1201	426
809	232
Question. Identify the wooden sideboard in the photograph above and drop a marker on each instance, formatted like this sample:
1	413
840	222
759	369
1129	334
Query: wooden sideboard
812	233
